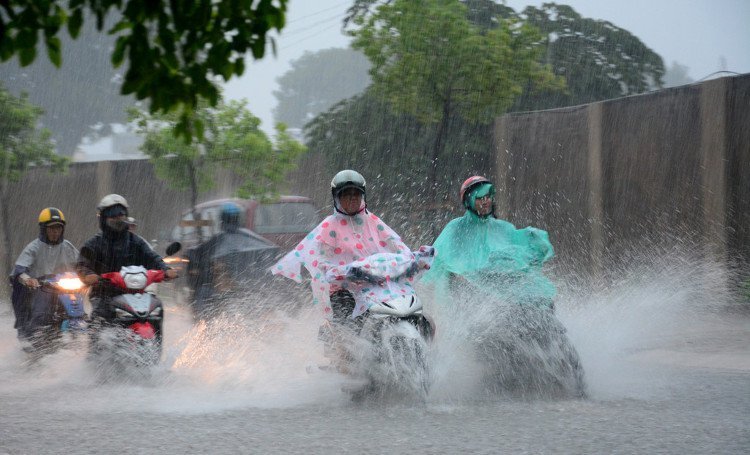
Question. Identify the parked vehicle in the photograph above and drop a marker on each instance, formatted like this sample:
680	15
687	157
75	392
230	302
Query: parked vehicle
283	222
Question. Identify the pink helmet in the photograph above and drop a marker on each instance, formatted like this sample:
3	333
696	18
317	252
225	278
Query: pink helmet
470	183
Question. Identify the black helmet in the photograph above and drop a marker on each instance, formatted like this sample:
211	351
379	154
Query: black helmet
347	179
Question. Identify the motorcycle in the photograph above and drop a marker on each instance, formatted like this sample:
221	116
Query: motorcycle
520	342
68	318
138	317
132	333
383	344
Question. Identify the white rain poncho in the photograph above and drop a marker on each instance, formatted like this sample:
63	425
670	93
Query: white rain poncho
337	241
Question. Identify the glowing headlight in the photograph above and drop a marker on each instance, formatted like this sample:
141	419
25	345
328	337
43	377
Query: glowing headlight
70	284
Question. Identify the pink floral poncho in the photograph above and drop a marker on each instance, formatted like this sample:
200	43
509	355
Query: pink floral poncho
338	241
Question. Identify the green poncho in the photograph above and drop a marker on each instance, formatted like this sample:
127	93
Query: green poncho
495	257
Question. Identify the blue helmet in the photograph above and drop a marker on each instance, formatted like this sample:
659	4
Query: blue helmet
230	216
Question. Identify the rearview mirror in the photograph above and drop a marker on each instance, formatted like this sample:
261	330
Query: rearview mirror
173	247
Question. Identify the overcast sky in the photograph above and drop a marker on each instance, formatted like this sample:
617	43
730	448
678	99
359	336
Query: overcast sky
700	34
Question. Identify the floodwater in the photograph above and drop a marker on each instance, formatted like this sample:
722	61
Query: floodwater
666	360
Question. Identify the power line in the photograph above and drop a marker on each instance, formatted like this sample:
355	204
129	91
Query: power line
307	37
320	12
717	72
311	26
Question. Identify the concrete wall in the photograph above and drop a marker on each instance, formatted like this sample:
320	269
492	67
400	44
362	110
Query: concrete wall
77	192
649	171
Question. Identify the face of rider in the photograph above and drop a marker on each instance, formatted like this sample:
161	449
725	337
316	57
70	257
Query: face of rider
53	232
116	218
483	205
350	200
117	223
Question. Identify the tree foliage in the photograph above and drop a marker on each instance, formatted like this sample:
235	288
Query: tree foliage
677	75
317	81
597	59
365	133
86	85
429	61
22	146
233	141
428	58
176	50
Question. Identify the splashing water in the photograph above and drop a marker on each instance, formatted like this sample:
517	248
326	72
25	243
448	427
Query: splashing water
628	335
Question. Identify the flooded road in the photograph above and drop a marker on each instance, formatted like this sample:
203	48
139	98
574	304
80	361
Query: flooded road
667	371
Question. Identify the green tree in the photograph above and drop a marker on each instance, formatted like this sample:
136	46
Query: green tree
676	75
22	146
176	49
86	85
598	59
429	61
365	133
317	81
233	140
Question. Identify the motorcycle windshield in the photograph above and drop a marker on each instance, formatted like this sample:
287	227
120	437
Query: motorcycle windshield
381	277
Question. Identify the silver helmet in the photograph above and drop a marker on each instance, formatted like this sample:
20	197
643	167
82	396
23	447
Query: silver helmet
112	200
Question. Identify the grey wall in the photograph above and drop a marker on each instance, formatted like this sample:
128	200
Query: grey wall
648	171
77	192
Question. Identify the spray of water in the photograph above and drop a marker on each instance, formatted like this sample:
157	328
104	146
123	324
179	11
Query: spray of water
626	333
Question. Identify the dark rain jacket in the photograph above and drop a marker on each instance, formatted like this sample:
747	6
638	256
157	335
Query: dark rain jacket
109	252
244	254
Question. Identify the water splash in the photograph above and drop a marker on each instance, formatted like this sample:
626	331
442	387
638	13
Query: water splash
630	335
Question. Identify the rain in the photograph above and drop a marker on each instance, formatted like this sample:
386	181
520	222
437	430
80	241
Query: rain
616	132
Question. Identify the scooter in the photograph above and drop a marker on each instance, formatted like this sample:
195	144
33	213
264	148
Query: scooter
384	344
67	317
69	291
138	316
133	333
522	345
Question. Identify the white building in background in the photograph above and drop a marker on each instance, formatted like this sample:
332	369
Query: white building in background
121	145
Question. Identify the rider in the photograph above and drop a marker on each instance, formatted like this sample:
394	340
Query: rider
209	277
49	253
485	250
351	233
111	249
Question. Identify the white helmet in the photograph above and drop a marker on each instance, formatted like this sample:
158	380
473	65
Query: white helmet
347	179
112	200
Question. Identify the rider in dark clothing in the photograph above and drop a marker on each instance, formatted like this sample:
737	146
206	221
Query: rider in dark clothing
111	249
216	266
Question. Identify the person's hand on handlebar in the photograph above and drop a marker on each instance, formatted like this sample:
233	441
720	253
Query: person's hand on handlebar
90	279
28	281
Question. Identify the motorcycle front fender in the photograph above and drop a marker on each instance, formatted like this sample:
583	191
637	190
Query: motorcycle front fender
406	329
